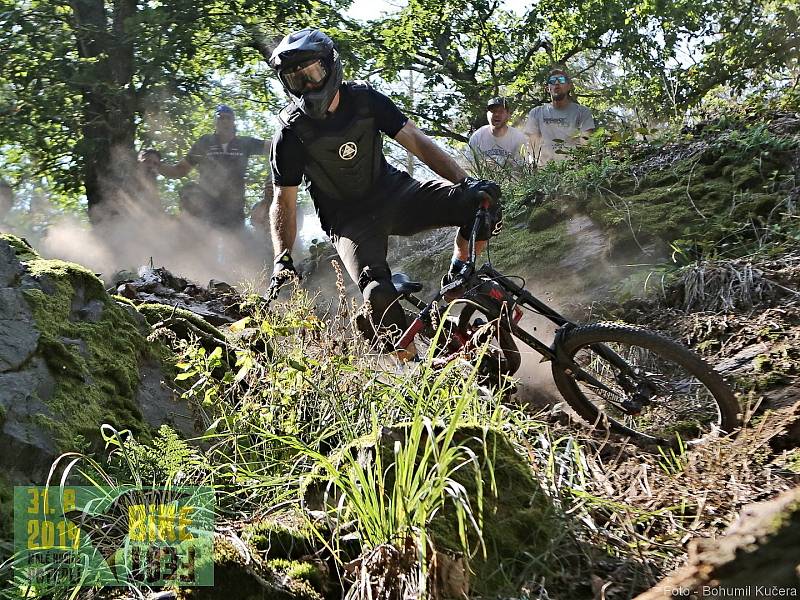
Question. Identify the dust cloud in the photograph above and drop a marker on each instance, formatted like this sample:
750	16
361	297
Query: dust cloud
183	245
535	387
133	230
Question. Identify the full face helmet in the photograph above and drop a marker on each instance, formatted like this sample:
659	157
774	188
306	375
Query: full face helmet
310	70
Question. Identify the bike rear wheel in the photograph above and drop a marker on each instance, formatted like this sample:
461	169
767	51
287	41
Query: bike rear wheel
492	343
666	392
470	335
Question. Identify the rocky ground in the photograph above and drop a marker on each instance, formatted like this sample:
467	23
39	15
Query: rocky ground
74	355
753	340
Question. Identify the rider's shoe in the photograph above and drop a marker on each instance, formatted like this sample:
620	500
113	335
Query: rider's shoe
456	268
407	354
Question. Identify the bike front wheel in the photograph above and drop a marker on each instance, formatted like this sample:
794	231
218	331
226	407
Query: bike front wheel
642	384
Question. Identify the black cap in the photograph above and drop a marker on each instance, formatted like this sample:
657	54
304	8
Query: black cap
498	101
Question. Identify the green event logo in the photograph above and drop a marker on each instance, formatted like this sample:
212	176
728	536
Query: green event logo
113	536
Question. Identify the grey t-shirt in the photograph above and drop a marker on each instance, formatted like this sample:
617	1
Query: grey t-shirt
552	128
499	150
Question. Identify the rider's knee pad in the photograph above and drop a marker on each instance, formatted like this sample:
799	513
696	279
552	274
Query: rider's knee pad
377	288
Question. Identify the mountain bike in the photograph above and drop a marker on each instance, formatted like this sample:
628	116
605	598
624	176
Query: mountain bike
615	376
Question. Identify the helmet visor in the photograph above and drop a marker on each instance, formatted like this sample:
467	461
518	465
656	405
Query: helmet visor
305	77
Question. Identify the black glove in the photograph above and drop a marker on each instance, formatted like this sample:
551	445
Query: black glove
474	189
283	272
457	267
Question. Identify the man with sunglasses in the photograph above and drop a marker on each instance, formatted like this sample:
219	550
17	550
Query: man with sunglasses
561	124
331	136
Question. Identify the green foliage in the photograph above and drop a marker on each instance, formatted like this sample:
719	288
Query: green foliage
673	461
623	54
394	497
304	409
82	81
166	460
84	85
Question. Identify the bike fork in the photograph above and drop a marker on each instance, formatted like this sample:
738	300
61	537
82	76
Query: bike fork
553	355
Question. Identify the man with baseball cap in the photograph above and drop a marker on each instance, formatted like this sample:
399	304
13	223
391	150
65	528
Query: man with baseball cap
560	124
221	160
497	144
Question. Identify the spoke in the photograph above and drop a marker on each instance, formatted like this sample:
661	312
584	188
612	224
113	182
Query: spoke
664	396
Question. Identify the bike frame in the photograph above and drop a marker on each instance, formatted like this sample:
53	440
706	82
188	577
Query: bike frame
516	296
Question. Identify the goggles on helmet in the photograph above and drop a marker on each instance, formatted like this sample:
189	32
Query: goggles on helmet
305	77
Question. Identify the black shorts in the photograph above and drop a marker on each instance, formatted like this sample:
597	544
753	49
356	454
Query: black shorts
226	212
406	207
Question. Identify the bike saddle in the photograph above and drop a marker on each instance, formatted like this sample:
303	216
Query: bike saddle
404	285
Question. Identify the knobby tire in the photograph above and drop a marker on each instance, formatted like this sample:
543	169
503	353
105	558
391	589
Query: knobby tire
575	345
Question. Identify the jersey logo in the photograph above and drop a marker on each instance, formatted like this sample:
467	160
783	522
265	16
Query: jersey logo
348	151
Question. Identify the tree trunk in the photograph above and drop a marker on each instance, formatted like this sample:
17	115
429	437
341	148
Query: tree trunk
109	102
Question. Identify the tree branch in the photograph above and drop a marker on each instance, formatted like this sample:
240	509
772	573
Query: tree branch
525	62
441	131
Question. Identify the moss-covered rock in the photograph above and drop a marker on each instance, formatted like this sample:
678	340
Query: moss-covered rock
240	573
92	347
531	251
299	571
71	359
545	216
281	537
21	247
722	194
519	519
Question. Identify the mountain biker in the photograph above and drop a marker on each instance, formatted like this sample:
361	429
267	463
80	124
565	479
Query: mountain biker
331	134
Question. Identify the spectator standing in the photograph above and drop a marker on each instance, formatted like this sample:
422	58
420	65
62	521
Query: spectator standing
221	159
560	124
497	144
